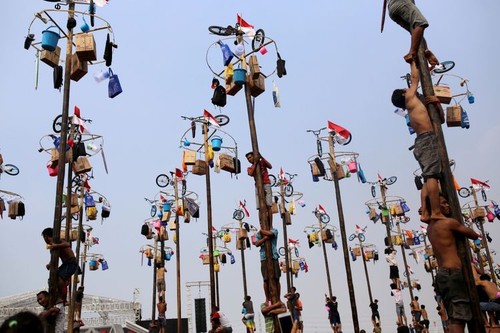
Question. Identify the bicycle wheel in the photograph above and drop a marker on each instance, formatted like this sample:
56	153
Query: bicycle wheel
483	195
222	119
361	237
183	188
11	169
162	180
57	124
238	215
258	39
152	212
272	178
319	147
296	250
445	67
325	218
281	251
221	31
391	180
351	237
76	181
288	190
464	192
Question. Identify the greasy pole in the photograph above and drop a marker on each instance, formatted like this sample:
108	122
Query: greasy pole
366	272
447	186
405	262
388	223
285	237
325	257
153	305
54	259
343	235
177	253
263	211
480	225
243	265
209	221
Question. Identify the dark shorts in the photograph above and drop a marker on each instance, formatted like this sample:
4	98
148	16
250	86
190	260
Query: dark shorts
334	319
427	155
393	272
375	315
425	323
276	269
161	320
67	269
451	286
406	14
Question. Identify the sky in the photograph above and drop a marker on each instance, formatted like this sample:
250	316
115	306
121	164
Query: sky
339	68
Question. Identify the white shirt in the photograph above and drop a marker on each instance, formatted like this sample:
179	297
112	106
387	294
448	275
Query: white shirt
223	320
391	258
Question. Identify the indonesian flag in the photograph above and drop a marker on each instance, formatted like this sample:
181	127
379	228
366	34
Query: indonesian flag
339	130
162	198
247	28
179	174
409	269
86	184
211	119
379	176
282	174
359	230
293	241
244	206
76	120
479	185
321	209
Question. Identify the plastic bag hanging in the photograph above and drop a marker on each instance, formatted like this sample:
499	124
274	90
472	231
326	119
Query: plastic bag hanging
276	96
227	54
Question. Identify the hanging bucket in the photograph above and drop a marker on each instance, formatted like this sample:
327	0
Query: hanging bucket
84	27
166	207
352	166
239	76
50	39
216	143
93	264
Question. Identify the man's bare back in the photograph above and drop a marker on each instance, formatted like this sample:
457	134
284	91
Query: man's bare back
419	117
442	233
162	307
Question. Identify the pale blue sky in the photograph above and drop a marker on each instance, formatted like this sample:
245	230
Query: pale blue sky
340	68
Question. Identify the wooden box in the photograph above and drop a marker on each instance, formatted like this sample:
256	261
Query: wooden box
479	212
454	116
443	93
189	157
357	251
81	165
232	88
340	171
257	85
199	167
51	58
85	47
226	163
253	63
79	68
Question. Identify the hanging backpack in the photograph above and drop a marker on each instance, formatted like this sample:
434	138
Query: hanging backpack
20	210
144	230
219	98
320	166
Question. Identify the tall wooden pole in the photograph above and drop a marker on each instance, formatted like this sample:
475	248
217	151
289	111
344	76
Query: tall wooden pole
447	186
285	237
325	258
343	235
403	253
366	271
177	253
209	220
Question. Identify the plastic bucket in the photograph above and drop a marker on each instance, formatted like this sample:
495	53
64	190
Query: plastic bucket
166	207
216	143
239	76
49	39
352	166
84	27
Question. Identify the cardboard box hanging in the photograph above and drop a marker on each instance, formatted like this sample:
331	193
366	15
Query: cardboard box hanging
454	116
51	58
79	68
85	46
443	93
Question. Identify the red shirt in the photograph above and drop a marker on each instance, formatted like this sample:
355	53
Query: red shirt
265	173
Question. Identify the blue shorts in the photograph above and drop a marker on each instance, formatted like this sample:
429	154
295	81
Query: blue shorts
67	269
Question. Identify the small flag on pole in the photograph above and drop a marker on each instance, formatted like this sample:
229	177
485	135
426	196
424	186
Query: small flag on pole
246	27
321	209
211	119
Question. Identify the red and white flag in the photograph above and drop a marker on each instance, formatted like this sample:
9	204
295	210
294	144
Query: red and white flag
423	230
162	198
282	174
293	241
409	269
359	230
332	127
211	119
479	185
379	176
179	174
246	27
244	206
321	209
76	120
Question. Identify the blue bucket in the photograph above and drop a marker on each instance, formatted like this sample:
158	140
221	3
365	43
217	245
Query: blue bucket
240	76
49	39
166	207
216	143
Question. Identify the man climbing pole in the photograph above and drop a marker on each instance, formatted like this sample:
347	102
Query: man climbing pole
407	15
